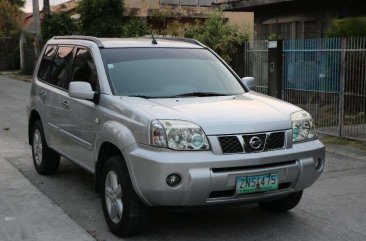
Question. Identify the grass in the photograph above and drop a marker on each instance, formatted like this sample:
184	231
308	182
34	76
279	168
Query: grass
16	75
343	141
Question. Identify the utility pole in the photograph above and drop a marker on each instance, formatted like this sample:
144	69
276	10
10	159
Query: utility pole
46	8
37	28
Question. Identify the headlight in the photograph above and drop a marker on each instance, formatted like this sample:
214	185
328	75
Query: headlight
303	127
178	135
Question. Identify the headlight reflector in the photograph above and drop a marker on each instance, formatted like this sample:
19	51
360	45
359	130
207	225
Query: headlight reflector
303	127
178	135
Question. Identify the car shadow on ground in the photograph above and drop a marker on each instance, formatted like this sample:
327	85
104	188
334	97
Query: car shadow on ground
218	222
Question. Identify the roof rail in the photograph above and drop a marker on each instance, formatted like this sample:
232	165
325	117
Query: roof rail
81	37
187	40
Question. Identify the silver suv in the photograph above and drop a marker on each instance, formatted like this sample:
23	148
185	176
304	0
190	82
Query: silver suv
166	122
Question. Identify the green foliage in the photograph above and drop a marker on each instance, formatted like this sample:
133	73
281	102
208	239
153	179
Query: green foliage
9	18
135	28
20	3
348	27
101	18
223	38
158	20
58	24
274	37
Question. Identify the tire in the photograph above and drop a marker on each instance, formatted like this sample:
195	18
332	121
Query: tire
283	204
46	161
130	213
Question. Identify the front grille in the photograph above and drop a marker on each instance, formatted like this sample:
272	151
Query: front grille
256	142
230	144
275	140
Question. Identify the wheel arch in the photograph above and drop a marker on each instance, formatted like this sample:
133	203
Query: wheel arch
106	150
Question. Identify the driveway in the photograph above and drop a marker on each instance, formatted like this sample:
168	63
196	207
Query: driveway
334	208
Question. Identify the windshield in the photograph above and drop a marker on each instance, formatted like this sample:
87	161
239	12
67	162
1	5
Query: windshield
168	72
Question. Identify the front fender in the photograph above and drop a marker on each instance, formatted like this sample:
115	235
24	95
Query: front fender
116	134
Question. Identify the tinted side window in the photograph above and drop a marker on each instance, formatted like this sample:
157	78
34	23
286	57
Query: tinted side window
84	68
47	63
61	66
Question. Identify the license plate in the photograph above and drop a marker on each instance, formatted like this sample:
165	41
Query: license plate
253	184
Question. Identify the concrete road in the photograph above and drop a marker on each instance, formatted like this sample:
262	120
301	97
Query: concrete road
333	209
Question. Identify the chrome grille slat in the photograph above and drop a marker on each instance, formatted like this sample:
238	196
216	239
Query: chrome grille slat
270	141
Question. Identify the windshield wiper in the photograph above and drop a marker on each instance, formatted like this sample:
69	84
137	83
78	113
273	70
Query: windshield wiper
142	96
199	94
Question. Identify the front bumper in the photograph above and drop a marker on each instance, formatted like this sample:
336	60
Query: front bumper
208	178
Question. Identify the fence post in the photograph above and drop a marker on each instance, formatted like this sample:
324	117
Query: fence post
275	63
238	61
342	80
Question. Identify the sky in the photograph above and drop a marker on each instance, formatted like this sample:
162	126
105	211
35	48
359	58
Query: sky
29	8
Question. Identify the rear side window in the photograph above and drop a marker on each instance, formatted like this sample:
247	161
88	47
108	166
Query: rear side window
47	63
61	68
84	68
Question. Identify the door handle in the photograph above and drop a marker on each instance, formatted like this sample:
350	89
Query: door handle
42	93
65	104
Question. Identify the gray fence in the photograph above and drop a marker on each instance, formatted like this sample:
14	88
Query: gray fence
326	77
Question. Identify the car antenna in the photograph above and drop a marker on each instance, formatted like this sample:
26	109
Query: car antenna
153	41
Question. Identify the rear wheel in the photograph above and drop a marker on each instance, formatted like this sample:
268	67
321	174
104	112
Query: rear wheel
123	210
46	161
283	204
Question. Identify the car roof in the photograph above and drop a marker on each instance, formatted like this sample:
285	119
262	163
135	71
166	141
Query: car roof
144	42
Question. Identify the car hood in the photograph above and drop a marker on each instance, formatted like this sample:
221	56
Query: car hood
247	113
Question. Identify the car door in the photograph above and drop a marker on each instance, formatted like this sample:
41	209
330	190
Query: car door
79	123
53	73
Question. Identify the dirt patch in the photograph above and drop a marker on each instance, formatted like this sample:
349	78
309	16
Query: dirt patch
16	75
343	141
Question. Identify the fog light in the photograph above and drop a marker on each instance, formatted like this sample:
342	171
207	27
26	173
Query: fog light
173	180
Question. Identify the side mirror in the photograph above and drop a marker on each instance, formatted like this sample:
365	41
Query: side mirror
249	82
81	90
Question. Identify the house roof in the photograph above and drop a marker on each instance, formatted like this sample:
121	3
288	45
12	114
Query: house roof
64	7
253	4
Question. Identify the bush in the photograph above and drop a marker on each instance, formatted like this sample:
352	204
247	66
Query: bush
223	38
348	27
58	24
101	18
135	28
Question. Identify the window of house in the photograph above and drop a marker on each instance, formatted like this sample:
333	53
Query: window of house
47	63
84	68
61	66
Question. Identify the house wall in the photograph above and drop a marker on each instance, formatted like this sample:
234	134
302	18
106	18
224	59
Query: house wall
180	14
316	15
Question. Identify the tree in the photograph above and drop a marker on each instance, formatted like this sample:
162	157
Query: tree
19	3
58	24
223	38
101	18
135	28
348	27
9	17
46	8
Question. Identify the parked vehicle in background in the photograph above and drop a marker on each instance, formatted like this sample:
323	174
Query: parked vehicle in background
166	122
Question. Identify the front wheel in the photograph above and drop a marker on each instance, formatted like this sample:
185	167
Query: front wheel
123	210
283	204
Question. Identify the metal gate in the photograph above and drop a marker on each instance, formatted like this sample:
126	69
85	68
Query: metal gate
256	63
327	77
